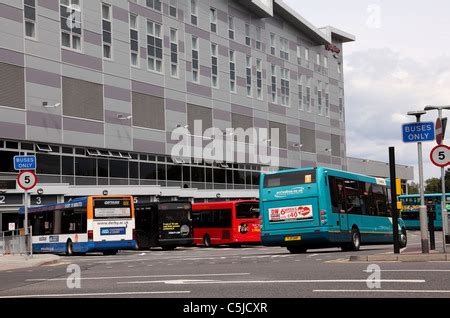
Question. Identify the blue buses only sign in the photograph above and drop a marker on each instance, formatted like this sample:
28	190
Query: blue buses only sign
25	163
418	132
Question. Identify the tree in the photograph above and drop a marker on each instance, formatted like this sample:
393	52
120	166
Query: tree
433	185
413	188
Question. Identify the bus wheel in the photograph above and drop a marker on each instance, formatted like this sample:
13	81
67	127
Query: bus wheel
355	244
69	248
297	249
403	238
169	248
110	253
207	240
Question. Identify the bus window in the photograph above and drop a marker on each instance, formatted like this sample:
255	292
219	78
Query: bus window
352	197
290	179
337	194
247	211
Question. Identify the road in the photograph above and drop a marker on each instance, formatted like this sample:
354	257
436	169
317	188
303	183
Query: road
230	273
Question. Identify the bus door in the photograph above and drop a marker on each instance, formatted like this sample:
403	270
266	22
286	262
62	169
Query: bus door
343	215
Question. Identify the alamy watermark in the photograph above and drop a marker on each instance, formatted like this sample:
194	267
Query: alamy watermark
374	279
252	145
74	279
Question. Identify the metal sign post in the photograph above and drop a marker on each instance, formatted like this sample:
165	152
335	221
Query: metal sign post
394	200
418	132
27	180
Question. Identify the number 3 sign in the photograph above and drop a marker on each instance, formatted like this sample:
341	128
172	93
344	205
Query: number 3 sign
440	156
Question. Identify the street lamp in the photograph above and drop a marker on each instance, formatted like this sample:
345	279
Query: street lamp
423	208
445	236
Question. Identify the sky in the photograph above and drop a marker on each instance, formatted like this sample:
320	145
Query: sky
399	62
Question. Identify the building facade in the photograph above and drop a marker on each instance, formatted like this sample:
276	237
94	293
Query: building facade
96	88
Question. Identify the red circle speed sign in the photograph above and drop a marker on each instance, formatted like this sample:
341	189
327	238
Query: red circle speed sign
27	180
440	156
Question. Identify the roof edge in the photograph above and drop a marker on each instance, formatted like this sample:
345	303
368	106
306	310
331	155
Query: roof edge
342	36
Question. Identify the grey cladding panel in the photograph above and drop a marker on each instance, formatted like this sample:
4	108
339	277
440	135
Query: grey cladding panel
195	112
82	99
308	140
241	121
336	145
282	131
148	111
12	86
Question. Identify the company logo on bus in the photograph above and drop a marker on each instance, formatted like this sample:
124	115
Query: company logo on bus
285	193
112	202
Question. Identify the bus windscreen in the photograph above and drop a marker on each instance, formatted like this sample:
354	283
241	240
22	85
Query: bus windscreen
247	211
289	179
112	208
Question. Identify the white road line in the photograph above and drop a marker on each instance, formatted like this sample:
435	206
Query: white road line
402	291
129	277
97	294
411	270
199	282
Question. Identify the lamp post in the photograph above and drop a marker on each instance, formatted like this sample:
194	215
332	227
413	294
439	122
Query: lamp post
443	198
423	208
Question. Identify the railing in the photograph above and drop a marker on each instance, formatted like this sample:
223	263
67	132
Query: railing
16	243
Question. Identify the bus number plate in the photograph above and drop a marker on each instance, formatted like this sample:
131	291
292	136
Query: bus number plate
292	238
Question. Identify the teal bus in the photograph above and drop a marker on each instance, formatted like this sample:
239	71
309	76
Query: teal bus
411	205
321	207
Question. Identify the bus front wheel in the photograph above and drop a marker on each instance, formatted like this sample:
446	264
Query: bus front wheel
110	253
69	248
207	240
296	249
355	243
403	239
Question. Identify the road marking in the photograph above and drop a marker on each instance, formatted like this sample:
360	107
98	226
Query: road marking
199	282
410	270
381	291
98	294
312	255
125	277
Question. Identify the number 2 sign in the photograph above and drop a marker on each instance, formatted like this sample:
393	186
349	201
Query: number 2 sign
440	156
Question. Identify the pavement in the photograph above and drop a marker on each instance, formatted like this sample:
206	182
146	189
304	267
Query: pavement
15	262
224	272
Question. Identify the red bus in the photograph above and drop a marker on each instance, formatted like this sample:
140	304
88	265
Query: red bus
224	223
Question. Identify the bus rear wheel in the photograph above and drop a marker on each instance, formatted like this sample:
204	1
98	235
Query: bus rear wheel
207	240
297	249
69	248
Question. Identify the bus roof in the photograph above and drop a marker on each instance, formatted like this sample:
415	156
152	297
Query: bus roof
339	173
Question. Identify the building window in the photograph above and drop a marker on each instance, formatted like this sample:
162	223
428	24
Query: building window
327	100
299	55
173	12
195	60
154	46
308	95
258	39
284	49
285	87
273	69
213	19
319	99
154	4
273	48
194	11
71	34
134	40
173	52
259	73
341	104
232	71
248	40
300	92
214	66
339	68
231	28
248	69
318	59
307	57
107	31
325	62
30	18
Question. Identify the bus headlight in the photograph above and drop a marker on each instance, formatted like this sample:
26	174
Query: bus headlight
185	230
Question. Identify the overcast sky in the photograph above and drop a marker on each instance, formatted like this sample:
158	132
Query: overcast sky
399	62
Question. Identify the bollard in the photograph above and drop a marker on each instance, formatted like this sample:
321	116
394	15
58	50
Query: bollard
431	217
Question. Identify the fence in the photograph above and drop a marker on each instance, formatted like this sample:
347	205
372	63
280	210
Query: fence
15	243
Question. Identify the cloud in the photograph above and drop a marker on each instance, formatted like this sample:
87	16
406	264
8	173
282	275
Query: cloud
381	87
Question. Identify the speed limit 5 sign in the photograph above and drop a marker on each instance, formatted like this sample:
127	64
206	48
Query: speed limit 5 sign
27	180
440	156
